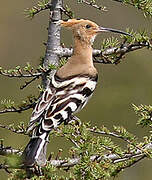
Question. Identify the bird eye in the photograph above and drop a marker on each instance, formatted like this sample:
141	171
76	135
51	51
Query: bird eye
88	26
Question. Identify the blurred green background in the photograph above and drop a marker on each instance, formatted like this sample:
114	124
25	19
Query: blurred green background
21	41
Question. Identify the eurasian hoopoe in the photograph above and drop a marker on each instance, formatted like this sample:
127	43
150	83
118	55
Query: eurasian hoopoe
69	89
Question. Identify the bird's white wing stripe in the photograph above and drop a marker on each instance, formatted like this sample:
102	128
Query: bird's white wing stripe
75	82
91	85
73	106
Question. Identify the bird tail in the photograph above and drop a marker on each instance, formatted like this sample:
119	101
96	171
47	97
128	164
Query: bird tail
35	151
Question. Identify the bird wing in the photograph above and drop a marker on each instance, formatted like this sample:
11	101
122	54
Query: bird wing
61	99
44	101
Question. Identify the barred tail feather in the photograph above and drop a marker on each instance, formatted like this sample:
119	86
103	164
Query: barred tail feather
35	151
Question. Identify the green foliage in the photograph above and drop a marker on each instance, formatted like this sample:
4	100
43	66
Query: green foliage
13	161
49	172
62	62
41	5
81	1
11	106
44	5
41	88
94	152
113	49
144	113
109	42
144	5
18	175
7	103
141	37
19	129
28	67
68	11
52	67
18	71
93	3
28	71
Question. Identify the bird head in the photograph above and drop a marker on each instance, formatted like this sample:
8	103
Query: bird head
86	30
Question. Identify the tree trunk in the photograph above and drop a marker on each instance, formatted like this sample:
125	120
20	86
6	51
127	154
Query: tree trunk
53	42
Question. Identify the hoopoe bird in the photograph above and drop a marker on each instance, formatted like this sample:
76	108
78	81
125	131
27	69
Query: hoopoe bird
68	91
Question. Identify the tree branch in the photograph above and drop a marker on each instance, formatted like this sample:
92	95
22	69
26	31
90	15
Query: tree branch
41	6
130	164
139	155
91	3
37	75
19	109
66	52
143	5
28	82
53	42
6	151
116	136
113	157
18	130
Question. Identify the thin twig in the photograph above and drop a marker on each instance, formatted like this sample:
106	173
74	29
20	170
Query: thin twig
104	133
76	144
35	10
19	109
140	5
5	167
28	82
12	129
130	164
121	1
67	13
101	8
116	136
20	75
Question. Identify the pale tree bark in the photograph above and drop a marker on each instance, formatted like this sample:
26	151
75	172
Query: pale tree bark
53	43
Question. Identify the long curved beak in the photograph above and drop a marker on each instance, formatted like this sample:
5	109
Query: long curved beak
102	29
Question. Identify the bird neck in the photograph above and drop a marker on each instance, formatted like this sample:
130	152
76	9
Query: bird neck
81	61
83	51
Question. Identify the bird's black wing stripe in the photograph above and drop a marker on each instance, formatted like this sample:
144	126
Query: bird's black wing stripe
86	92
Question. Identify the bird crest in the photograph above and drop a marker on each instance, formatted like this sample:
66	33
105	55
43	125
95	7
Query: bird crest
74	22
69	23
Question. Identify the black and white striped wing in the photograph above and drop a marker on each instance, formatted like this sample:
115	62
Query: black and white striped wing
40	108
66	97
